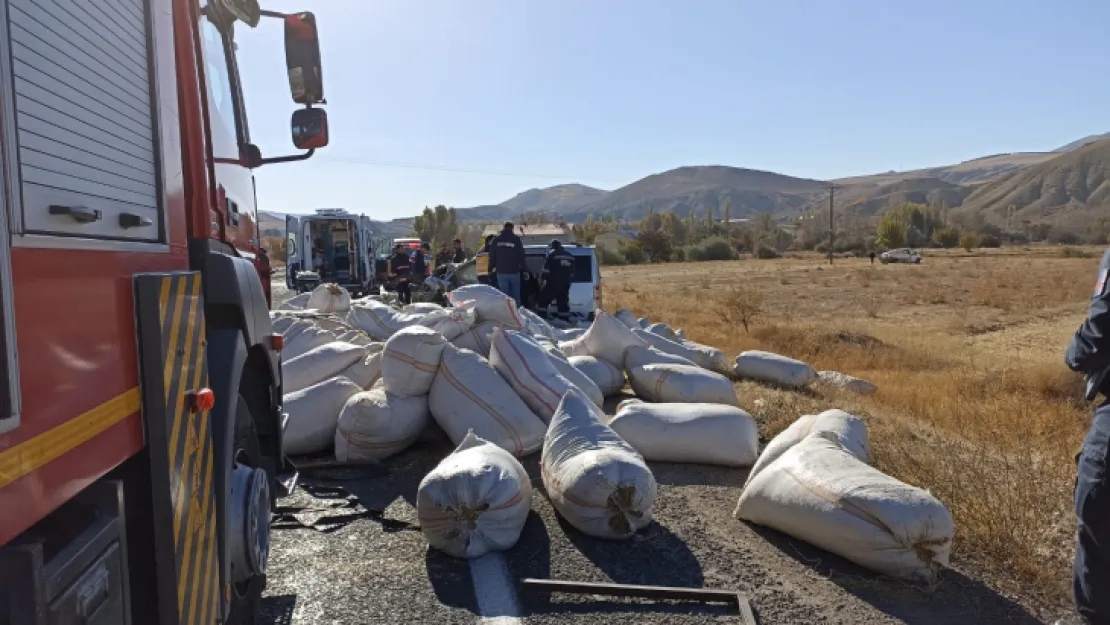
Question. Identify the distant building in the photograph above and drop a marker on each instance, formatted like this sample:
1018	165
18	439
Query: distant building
538	234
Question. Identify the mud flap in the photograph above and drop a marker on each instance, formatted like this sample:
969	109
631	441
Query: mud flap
169	314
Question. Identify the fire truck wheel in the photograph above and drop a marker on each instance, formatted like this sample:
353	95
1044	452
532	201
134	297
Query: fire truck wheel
249	542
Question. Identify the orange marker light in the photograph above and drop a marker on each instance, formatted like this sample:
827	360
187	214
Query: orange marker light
203	400
277	342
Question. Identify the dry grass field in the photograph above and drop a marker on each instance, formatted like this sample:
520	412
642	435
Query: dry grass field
974	401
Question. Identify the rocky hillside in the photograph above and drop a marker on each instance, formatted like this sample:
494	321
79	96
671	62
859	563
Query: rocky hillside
988	183
1067	189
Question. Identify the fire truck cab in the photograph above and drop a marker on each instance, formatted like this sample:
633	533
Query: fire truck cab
140	380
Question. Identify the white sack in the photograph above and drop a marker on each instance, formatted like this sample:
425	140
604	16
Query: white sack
333	324
302	337
421	307
316	365
595	480
313	413
643	356
368	370
451	322
490	303
606	339
297	302
374	425
846	382
568	334
535	324
477	338
411	360
627	318
329	298
552	350
696	433
664	331
668	346
529	370
280	323
468	394
848	429
577	378
709	357
775	369
358	337
820	493
608	378
380	320
475	501
682	384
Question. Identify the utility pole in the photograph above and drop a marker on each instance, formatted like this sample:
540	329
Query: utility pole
832	228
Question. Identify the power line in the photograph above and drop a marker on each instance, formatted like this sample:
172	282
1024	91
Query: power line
445	168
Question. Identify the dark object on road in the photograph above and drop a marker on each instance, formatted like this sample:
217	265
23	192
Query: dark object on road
674	593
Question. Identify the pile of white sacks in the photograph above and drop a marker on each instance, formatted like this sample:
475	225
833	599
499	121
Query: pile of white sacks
367	379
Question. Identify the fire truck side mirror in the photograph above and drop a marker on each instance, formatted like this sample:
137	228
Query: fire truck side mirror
310	128
246	11
302	59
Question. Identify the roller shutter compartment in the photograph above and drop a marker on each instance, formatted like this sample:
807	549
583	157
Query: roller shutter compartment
85	124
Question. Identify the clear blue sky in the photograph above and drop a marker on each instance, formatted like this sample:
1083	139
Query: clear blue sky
530	93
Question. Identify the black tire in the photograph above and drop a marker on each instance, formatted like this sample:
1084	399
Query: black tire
246	597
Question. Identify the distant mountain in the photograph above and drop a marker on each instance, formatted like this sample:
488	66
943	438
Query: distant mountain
870	199
1068	189
688	190
1075	145
968	172
561	199
697	189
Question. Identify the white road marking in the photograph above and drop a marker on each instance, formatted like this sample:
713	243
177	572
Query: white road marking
493	591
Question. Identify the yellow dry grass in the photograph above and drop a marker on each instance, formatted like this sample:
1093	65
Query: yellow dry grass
974	401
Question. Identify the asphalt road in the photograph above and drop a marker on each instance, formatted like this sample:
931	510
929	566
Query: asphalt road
347	551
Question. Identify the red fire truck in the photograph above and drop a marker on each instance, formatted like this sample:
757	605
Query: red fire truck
140	383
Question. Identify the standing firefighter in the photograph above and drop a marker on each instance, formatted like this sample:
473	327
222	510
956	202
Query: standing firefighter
400	266
1089	353
506	258
558	271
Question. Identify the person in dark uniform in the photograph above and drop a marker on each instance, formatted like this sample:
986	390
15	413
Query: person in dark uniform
1089	353
558	271
444	256
482	265
460	253
400	267
506	258
419	265
871	255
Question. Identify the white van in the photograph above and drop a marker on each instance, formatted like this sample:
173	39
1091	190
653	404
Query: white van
585	287
330	246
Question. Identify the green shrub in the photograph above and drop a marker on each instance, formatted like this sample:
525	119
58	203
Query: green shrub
713	248
766	252
632	251
606	256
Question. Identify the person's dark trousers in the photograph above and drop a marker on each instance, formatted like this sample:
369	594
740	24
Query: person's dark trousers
560	293
1091	585
403	294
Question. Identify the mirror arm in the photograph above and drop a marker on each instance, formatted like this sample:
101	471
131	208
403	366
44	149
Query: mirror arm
265	13
286	159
